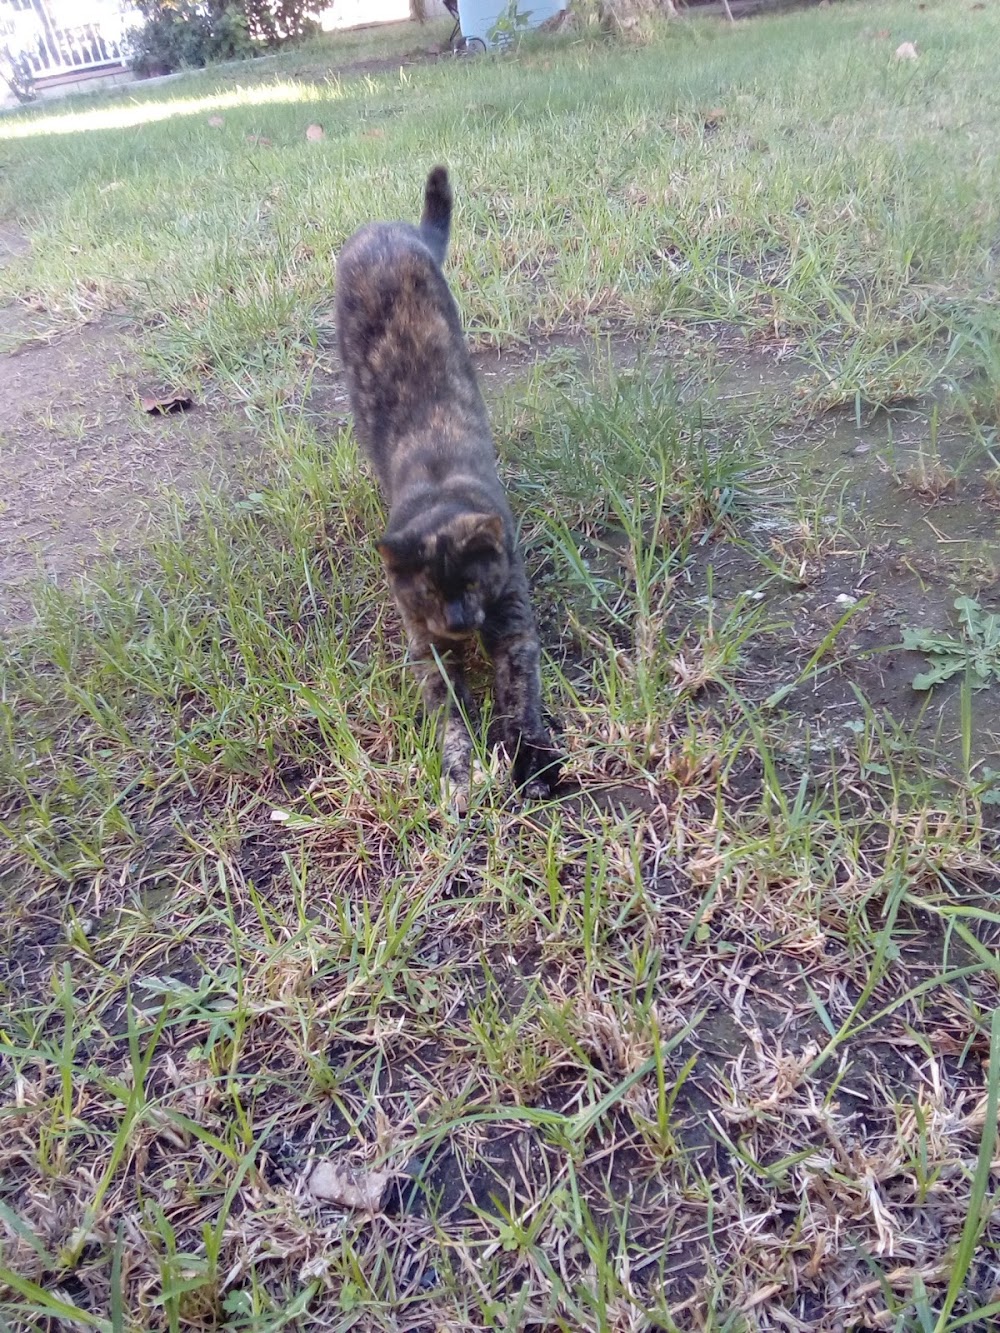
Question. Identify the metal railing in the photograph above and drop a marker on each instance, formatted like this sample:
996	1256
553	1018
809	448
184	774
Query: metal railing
51	39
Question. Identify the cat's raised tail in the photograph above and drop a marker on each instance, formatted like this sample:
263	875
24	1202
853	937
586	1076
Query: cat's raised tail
435	225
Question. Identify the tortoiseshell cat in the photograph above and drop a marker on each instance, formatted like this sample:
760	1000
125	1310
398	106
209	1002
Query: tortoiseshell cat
450	549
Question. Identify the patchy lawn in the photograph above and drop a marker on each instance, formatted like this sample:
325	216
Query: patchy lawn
710	1041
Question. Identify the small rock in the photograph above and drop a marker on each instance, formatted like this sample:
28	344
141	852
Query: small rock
845	599
862	448
349	1186
906	51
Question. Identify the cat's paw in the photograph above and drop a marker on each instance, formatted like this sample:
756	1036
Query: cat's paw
536	767
455	796
456	765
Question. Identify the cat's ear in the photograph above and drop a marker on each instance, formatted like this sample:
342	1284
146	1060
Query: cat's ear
476	532
396	551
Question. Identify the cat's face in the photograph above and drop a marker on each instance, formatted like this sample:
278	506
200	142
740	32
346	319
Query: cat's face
446	577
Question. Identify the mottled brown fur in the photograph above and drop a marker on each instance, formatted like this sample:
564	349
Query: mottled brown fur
450	549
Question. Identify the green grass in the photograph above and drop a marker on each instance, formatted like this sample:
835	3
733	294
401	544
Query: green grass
711	1040
843	201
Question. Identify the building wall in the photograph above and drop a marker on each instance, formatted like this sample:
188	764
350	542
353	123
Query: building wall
355	13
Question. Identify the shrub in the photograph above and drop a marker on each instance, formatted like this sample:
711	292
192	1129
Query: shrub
180	34
274	21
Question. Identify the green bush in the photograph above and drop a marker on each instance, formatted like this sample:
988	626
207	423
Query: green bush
274	21
180	34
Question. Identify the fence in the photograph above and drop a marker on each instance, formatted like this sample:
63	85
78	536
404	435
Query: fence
53	38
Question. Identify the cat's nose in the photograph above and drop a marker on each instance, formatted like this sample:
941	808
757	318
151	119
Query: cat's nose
455	617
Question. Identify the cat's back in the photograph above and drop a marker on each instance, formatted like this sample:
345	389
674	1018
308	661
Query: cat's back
387	278
402	346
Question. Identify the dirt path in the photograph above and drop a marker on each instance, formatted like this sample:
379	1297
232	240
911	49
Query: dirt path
82	467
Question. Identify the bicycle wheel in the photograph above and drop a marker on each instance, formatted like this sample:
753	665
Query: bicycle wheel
468	46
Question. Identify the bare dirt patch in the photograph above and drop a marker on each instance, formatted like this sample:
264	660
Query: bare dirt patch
82	467
371	65
869	526
12	243
914	551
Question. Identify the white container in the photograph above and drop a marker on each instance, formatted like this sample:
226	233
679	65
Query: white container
479	16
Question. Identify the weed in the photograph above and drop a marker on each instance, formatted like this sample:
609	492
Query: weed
976	652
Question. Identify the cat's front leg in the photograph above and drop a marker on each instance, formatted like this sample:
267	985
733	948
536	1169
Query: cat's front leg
440	669
511	640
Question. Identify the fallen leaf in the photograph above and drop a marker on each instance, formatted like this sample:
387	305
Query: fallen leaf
261	140
159	404
216	122
703	868
906	51
350	1186
314	133
761	1295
